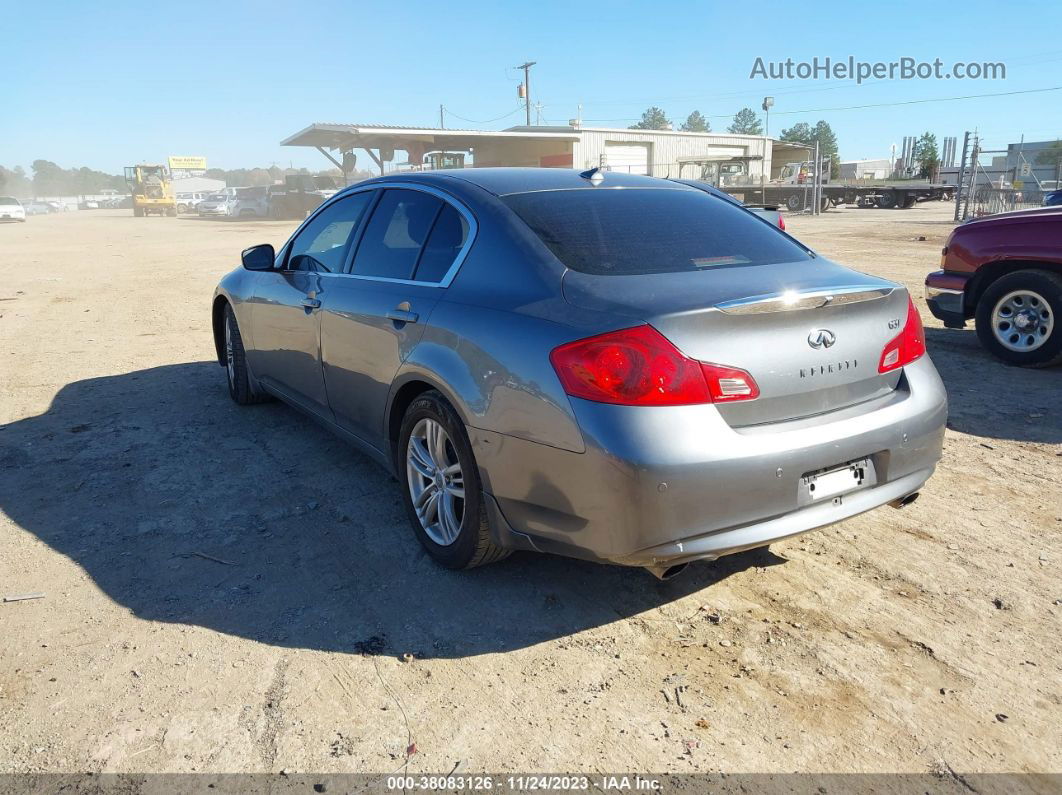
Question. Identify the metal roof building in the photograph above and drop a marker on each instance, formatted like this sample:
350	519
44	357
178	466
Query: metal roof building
717	157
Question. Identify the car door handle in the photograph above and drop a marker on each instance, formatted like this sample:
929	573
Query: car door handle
312	303
402	316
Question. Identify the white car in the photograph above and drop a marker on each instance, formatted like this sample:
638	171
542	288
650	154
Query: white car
243	202
187	202
217	204
252	202
11	210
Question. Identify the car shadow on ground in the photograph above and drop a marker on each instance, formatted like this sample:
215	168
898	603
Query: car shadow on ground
991	399
257	522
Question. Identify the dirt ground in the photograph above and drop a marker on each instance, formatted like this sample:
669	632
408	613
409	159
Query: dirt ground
233	589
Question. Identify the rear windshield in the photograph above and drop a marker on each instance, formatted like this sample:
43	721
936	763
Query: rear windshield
8	200
648	230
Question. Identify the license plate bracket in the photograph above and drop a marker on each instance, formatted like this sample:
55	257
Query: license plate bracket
837	481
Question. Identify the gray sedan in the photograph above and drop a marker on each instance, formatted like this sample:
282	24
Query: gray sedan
600	365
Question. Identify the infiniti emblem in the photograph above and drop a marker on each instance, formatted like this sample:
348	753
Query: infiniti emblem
821	338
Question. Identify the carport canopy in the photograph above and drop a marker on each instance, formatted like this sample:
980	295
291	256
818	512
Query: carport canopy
381	141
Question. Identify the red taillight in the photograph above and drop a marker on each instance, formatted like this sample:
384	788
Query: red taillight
781	222
908	346
640	367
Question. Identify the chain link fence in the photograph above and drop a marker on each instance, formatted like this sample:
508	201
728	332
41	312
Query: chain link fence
990	200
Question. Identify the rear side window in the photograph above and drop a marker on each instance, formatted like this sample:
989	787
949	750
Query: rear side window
322	245
396	233
444	243
638	231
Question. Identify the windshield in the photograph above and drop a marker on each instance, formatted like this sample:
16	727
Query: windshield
637	231
8	200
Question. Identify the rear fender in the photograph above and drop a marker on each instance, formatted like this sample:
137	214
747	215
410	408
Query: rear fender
494	369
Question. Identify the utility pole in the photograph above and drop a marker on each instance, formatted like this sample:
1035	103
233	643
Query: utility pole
442	121
815	183
526	66
974	155
962	175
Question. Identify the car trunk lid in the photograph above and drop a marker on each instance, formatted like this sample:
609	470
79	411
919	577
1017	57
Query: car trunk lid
810	333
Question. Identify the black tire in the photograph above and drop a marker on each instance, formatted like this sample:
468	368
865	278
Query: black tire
1043	283
472	546
887	200
236	367
794	202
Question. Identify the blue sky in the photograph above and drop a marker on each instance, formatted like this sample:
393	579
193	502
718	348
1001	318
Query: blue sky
107	84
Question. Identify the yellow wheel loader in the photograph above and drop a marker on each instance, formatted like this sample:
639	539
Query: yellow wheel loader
152	190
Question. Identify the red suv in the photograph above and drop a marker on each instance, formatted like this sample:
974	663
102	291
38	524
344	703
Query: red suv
1005	271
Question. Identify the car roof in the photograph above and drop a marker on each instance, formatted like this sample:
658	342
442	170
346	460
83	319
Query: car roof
504	181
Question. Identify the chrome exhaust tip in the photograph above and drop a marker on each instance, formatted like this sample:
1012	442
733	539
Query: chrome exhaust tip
667	572
903	502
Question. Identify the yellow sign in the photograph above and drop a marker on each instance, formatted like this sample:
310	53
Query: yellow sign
190	163
1018	184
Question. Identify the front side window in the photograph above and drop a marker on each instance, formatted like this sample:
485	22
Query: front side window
322	244
396	234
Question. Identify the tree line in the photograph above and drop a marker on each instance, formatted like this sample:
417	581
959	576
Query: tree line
747	122
46	178
925	155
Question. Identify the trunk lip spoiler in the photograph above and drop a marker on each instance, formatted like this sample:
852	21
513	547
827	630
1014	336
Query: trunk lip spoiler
790	300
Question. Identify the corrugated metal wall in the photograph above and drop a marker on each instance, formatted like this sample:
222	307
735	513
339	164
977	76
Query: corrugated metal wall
667	148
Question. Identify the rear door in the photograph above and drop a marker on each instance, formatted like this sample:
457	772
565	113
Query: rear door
286	312
404	259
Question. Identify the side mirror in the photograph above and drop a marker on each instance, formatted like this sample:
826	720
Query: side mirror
259	258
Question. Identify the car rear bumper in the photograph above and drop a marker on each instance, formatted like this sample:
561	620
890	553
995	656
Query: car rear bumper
946	297
664	486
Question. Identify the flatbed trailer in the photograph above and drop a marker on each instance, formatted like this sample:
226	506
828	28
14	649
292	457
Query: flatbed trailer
797	197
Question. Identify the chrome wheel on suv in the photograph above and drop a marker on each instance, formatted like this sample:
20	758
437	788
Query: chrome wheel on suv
1022	321
1016	318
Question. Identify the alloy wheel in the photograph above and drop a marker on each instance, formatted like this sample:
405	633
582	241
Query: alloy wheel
1022	321
436	482
230	358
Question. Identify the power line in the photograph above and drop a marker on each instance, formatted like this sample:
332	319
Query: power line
922	101
485	121
873	105
798	87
